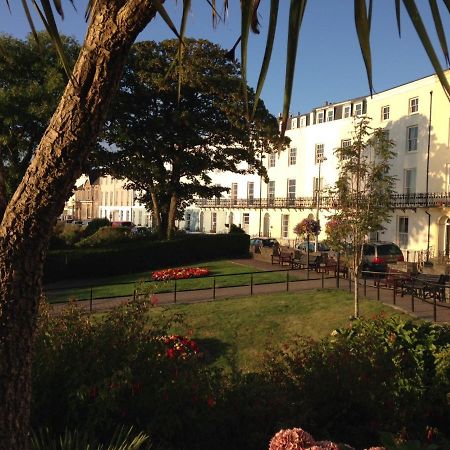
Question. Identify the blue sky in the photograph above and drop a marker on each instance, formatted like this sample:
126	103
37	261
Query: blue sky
329	65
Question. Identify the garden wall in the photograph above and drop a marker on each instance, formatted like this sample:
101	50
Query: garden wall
142	255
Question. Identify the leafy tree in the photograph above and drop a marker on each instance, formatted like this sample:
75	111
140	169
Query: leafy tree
67	141
362	194
31	84
166	146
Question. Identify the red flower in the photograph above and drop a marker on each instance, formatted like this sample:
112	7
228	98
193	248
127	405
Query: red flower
211	402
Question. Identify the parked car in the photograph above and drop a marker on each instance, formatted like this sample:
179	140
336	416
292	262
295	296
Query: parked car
263	241
377	256
122	223
321	246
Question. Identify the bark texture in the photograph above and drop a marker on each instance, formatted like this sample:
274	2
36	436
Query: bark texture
32	212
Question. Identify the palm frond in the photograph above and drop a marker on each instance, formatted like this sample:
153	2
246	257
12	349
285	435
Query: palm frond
296	13
397	14
165	16
439	29
414	15
362	24
186	9
274	5
246	19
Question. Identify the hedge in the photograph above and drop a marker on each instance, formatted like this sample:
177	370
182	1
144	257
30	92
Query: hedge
142	255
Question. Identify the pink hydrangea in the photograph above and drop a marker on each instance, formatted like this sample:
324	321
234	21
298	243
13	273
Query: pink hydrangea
291	439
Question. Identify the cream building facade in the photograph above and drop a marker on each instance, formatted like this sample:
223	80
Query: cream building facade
416	116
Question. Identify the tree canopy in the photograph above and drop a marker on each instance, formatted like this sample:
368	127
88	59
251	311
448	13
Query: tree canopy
165	145
31	84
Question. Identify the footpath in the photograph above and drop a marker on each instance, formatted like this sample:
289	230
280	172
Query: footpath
439	312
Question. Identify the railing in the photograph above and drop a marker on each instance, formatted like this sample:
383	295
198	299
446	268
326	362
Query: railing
399	201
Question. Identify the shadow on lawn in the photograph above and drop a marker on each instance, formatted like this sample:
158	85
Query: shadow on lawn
213	349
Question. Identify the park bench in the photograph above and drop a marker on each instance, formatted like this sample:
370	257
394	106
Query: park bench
395	279
281	257
425	286
306	261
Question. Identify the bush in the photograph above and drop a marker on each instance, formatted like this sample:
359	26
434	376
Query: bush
68	233
377	375
94	225
138	255
95	373
106	236
235	229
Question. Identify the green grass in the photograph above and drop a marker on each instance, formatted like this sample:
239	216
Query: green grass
236	332
109	287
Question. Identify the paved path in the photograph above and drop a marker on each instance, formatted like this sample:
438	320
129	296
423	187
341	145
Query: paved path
416	307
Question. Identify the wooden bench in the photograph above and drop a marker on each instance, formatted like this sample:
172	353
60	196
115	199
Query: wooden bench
282	258
425	286
305	261
395	279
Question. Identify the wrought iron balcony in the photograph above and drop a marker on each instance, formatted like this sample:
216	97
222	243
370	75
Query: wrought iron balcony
399	201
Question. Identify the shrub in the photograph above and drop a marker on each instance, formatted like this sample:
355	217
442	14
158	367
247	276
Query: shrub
93	373
94	225
382	374
65	235
235	229
142	254
106	236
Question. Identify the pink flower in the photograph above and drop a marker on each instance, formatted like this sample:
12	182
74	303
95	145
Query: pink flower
291	439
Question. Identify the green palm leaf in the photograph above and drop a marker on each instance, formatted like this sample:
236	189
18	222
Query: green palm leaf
439	29
296	13
246	20
362	24
268	51
414	14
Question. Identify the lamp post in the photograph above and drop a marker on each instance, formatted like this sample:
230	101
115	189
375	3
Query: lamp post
320	160
260	195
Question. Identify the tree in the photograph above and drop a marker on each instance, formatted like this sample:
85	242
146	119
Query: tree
362	195
165	146
32	211
31	84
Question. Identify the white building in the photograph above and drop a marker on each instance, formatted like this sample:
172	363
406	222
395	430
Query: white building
417	117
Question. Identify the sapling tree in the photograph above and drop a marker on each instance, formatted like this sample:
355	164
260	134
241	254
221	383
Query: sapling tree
362	195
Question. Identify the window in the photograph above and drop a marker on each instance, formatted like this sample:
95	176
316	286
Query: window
292	156
234	192
403	228
272	160
319	117
346	143
318	154
447	181
330	115
271	192
291	189
303	121
413	105
250	191
187	225
411	138
285	226
294	123
347	111
409	181
385	110
213	222
246	219
385	135
357	109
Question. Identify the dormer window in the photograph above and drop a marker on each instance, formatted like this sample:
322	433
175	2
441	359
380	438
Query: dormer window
330	115
303	121
357	111
319	117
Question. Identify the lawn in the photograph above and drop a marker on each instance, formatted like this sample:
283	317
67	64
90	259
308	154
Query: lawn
236	332
227	273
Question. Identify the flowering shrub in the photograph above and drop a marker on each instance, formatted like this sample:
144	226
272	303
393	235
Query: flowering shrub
180	274
298	439
306	227
179	347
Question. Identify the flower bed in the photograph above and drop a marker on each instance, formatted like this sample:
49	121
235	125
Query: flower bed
180	347
180	274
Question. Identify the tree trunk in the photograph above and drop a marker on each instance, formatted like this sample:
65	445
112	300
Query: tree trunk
172	215
156	212
30	215
3	199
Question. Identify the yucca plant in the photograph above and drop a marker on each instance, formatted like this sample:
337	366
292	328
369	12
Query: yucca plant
78	440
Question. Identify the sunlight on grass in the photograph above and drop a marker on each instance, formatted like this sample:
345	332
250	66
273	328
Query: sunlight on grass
236	332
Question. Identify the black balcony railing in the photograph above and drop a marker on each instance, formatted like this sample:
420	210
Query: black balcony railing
399	201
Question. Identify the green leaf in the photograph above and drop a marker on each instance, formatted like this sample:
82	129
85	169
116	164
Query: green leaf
296	13
439	29
362	24
268	52
246	20
186	9
165	16
414	15
397	13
